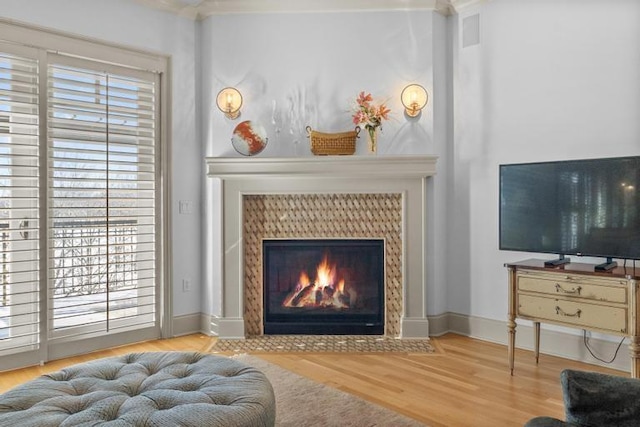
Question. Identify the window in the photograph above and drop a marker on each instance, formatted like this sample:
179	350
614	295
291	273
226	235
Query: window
19	204
102	204
81	224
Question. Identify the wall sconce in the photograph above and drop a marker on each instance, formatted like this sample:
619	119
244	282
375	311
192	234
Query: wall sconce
229	101
414	98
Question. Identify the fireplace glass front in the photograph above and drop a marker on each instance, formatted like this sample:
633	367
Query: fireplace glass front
323	286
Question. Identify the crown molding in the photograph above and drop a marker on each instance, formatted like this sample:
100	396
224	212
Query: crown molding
458	6
187	8
200	9
220	7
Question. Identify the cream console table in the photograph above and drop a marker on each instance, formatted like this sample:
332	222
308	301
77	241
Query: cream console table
577	296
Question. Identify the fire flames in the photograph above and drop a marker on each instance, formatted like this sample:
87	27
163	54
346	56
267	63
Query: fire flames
325	291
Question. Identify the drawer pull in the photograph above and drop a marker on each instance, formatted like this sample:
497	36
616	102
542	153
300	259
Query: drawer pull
559	311
560	289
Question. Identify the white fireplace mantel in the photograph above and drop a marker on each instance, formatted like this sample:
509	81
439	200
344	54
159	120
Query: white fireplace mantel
330	166
324	175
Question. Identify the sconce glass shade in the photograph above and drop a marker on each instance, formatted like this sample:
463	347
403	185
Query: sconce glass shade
414	98
229	101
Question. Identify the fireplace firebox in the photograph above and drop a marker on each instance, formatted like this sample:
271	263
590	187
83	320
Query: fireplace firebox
323	286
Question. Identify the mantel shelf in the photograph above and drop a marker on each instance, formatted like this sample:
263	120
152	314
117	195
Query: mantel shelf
330	166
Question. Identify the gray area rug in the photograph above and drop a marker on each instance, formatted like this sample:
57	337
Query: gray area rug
301	402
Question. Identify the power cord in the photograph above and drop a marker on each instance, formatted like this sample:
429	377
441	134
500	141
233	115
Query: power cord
586	344
624	265
584	332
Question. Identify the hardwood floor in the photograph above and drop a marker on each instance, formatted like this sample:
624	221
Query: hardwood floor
467	383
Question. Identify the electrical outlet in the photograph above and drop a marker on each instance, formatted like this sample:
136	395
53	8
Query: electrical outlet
185	207
186	285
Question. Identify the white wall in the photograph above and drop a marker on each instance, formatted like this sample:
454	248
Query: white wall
311	66
127	23
438	186
550	80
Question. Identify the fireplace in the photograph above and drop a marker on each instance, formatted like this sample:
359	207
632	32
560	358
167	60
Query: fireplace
319	197
323	286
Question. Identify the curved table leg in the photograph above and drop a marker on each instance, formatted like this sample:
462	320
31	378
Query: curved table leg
536	340
511	326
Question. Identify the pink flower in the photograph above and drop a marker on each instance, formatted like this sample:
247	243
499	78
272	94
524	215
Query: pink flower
364	99
383	112
367	114
359	117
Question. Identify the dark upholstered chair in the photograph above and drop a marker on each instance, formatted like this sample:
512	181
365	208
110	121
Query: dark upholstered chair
594	399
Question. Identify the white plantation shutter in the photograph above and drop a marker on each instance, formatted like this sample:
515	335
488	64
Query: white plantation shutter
19	205
82	239
102	198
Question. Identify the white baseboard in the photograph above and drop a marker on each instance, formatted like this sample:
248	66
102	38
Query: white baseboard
415	327
227	327
439	325
555	341
196	323
208	324
187	324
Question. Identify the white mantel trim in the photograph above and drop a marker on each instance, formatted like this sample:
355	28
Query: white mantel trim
330	166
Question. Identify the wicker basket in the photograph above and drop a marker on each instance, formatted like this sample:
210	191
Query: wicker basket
323	144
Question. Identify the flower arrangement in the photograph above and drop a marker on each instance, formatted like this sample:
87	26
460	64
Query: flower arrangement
370	115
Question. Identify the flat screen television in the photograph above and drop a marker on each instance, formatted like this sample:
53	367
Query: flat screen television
577	207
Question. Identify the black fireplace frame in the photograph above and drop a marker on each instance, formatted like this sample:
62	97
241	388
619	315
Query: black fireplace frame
344	324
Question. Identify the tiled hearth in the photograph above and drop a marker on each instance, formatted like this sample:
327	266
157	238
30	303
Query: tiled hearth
323	197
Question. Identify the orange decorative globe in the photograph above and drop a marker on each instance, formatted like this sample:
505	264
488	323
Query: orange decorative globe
249	138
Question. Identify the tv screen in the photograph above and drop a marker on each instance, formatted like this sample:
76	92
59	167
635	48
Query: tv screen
579	207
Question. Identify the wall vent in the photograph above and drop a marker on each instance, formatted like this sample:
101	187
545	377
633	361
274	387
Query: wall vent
471	30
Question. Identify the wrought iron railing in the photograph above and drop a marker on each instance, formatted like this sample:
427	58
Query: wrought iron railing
91	256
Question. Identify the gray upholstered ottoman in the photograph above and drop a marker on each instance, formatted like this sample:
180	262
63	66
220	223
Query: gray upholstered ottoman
144	389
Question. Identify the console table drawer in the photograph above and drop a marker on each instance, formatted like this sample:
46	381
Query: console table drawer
574	288
574	313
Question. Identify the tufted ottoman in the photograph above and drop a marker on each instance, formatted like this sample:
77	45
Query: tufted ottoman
144	389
